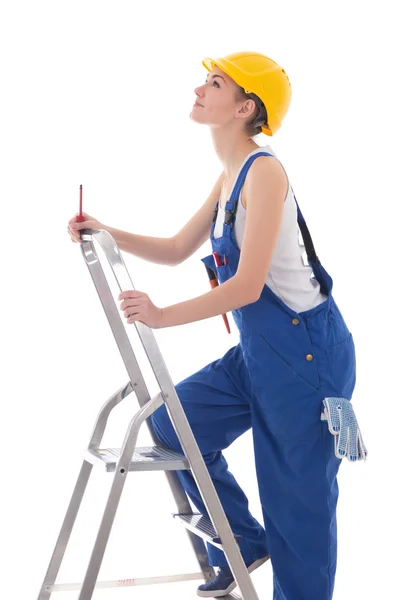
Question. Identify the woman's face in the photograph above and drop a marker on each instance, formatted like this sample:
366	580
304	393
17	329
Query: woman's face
216	102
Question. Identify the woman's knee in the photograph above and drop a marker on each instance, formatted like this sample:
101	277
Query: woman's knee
164	429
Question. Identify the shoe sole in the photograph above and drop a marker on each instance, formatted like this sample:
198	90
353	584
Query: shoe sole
230	588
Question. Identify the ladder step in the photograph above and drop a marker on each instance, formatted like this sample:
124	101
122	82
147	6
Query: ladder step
202	526
150	458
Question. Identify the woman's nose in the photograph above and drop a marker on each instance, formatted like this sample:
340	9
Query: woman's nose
199	91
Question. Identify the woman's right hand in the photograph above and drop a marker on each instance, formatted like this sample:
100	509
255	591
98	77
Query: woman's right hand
75	226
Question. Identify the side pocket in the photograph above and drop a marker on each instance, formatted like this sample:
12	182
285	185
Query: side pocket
209	261
291	360
342	362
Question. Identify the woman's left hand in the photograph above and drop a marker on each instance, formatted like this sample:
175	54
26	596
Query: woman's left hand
137	306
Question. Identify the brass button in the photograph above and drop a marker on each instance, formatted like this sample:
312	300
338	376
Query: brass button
295	321
309	357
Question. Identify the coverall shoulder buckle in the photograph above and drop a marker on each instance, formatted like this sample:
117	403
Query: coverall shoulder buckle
229	217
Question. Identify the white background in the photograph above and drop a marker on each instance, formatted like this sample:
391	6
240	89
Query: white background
98	93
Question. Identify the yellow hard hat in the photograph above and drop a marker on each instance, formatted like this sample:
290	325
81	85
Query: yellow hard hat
262	76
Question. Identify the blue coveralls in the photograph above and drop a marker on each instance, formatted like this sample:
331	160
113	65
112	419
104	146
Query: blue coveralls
274	381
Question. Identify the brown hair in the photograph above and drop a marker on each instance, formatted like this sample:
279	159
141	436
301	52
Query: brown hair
260	116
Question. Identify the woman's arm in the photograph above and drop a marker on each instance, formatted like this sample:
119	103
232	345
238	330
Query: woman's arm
266	189
197	230
226	297
162	251
173	250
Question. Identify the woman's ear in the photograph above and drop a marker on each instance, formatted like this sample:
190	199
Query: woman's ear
247	108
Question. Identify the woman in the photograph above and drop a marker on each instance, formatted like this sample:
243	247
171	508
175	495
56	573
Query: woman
296	355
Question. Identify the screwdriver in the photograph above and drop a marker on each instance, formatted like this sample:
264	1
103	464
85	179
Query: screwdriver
213	283
80	218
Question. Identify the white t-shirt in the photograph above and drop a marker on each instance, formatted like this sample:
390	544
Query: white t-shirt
289	275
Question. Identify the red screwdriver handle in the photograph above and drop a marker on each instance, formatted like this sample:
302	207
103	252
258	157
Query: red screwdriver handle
217	259
80	218
214	283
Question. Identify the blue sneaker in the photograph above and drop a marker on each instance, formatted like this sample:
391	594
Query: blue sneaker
224	582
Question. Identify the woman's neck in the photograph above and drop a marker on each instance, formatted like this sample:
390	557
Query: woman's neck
232	149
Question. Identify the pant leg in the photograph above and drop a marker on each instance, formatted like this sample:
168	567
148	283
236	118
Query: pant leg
216	404
298	492
295	460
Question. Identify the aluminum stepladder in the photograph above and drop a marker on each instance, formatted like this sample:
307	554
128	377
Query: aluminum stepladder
215	530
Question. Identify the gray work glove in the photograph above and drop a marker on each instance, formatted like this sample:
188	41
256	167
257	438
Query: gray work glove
343	425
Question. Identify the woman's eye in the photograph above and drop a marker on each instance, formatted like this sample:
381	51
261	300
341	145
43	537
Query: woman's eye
216	82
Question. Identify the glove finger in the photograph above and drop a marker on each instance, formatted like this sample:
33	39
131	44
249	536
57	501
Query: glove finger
353	442
336	416
362	451
337	454
333	419
343	442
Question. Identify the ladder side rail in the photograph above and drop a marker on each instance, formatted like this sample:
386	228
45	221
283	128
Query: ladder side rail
111	250
114	497
122	339
113	314
65	531
126	351
78	493
102	418
210	497
197	543
181	425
